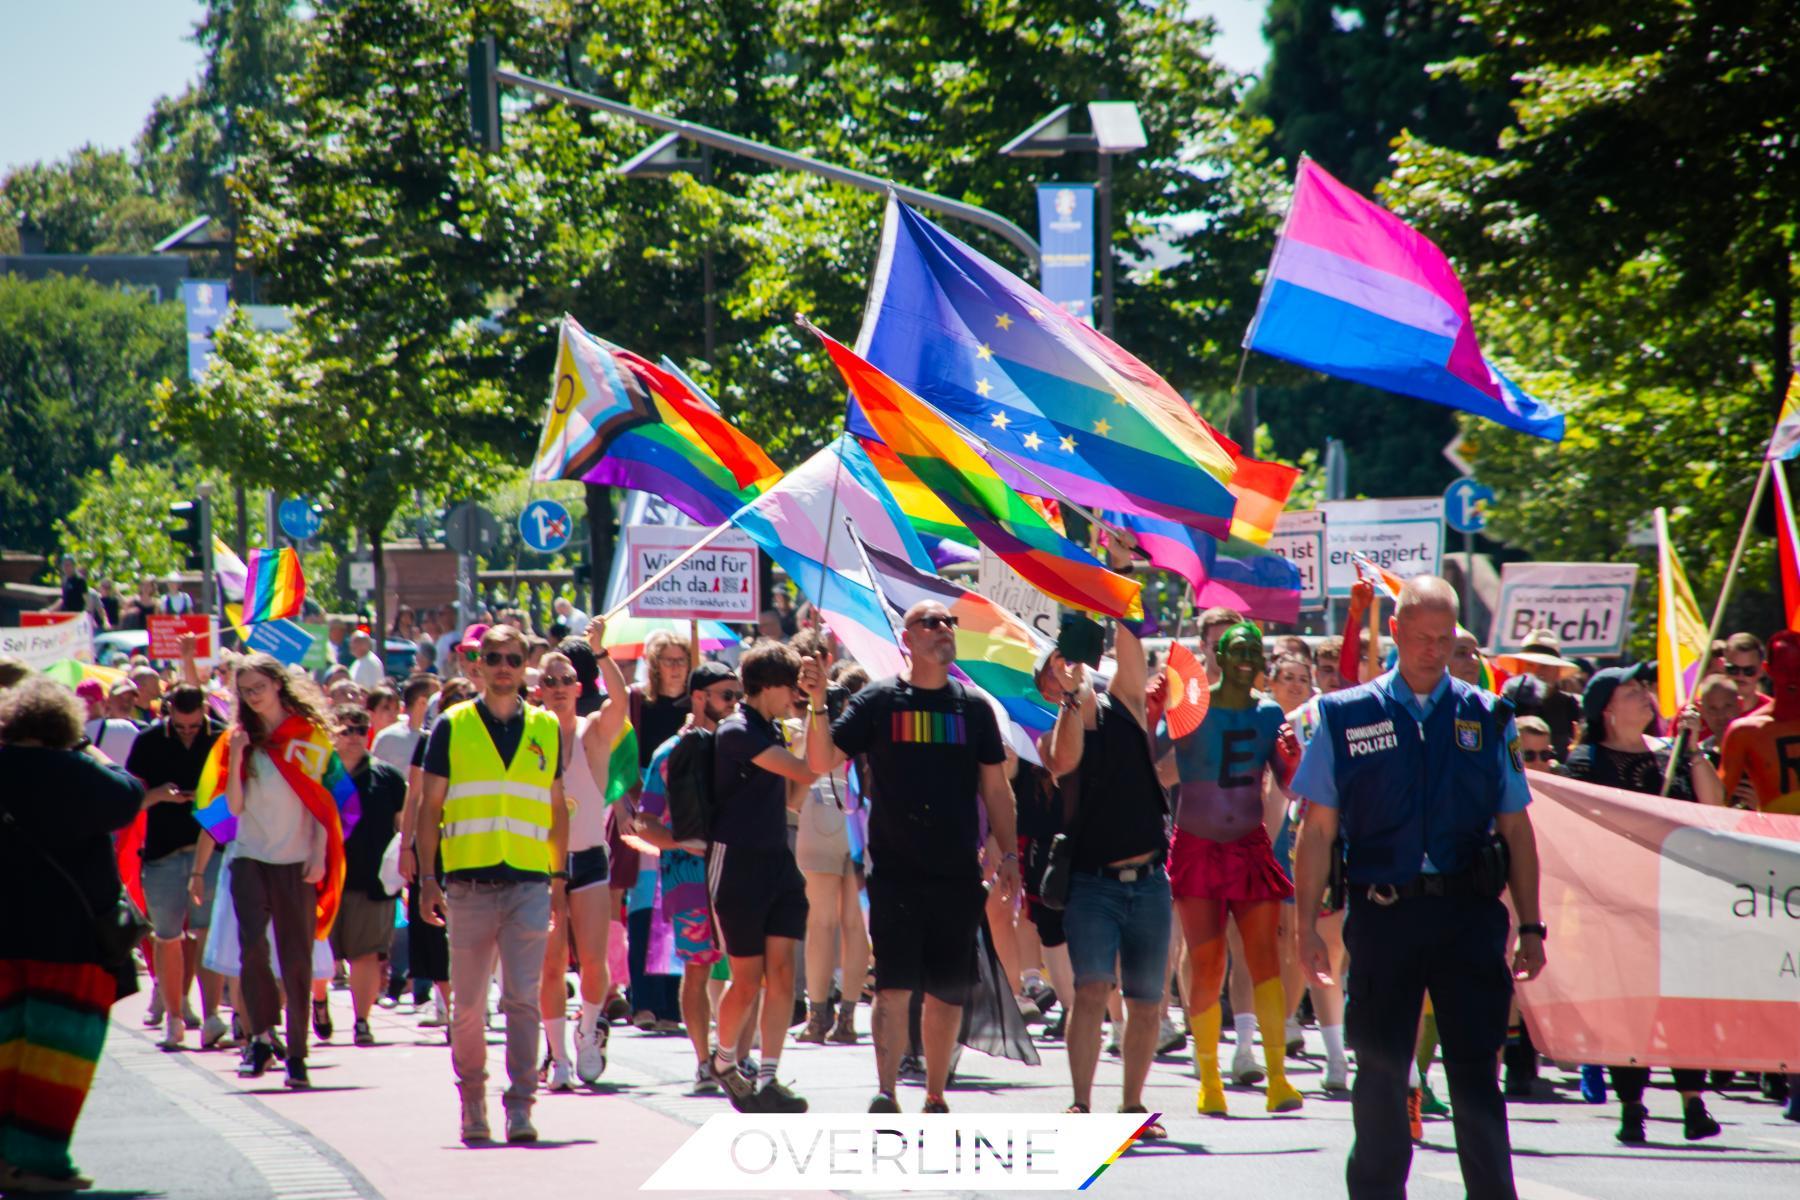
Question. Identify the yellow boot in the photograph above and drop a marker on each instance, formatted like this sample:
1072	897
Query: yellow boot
1205	1025
1271	1010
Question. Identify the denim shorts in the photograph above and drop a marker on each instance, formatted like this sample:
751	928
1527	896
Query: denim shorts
166	893
1119	932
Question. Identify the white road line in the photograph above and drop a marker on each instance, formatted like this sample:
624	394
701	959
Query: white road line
287	1160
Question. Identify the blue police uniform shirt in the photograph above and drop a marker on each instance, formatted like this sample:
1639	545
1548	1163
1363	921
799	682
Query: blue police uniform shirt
1317	777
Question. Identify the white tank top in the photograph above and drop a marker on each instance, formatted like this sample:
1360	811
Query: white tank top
587	824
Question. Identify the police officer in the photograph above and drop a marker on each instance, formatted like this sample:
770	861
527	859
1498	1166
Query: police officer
1420	772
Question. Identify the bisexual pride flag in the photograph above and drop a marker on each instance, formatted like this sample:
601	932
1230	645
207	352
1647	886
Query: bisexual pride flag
1355	292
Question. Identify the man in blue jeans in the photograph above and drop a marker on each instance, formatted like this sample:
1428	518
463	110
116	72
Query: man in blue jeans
1118	914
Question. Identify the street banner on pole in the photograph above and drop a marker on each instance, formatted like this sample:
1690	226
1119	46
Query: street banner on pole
1585	604
1680	950
205	301
718	583
1066	230
1404	536
1300	538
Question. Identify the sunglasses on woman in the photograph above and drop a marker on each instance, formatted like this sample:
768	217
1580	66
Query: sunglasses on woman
494	658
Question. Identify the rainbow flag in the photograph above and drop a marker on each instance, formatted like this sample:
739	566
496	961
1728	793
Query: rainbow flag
1787	539
970	487
1232	573
995	650
1355	292
1681	641
1784	443
622	773
945	538
274	588
987	349
617	418
1261	490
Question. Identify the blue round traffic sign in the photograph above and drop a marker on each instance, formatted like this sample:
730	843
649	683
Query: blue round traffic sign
298	517
546	526
1465	505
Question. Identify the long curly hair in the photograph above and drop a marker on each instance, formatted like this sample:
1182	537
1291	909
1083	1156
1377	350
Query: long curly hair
299	696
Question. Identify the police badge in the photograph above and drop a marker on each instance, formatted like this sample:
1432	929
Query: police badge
1468	735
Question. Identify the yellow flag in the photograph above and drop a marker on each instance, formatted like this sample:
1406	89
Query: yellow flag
1681	636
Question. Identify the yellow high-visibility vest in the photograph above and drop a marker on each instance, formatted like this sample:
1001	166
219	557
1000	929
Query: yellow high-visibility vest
495	813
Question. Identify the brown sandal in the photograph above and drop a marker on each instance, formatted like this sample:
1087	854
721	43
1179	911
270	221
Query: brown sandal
1077	1109
1153	1132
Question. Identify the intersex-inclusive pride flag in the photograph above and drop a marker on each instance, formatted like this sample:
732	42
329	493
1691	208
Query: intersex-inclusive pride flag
1355	292
800	522
969	486
1784	443
1681	950
1787	539
995	650
1681	641
1230	573
1091	422
274	587
615	417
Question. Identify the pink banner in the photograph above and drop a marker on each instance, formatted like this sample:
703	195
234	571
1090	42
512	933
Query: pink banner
1674	932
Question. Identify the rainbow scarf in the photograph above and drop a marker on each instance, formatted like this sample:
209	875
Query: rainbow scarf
274	588
302	752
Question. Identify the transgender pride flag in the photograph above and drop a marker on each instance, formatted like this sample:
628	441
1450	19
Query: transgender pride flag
1355	292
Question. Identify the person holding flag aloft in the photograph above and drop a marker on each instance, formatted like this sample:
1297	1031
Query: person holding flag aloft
1222	862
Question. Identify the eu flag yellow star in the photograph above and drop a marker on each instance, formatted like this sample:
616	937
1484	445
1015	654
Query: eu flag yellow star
1102	427
983	387
1002	321
1001	420
983	351
1032	441
1068	445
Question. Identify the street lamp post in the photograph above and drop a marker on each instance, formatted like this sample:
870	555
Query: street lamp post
659	160
1114	128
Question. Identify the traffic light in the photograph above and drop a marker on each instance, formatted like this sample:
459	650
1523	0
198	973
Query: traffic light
187	534
484	94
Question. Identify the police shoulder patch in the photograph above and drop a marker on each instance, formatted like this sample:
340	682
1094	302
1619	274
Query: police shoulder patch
1512	748
1468	735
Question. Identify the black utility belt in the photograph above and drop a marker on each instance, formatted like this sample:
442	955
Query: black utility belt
1446	886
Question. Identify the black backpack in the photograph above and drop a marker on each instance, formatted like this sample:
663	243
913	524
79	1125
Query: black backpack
692	802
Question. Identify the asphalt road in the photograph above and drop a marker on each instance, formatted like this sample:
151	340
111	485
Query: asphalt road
381	1122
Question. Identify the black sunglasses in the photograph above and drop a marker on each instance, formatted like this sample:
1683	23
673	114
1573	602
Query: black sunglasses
560	680
347	728
934	621
494	658
1537	755
1745	672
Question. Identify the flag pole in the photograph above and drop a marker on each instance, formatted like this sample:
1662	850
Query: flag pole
712	535
1718	614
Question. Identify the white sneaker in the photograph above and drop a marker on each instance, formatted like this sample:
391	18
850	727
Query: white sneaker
1243	1065
560	1080
214	1034
590	1054
439	1014
174	1032
1337	1076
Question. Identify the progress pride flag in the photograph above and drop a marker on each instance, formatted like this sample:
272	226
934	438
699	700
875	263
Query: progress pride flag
1674	931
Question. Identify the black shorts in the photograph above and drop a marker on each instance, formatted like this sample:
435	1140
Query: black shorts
1049	922
922	932
587	868
756	895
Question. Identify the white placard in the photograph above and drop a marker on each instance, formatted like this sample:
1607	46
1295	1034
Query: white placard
40	645
1584	604
1005	587
1406	536
718	583
1300	538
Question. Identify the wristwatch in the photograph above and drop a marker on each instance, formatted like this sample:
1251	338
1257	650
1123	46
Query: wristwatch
1537	927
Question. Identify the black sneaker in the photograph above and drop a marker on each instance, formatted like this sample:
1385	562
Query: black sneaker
321	1014
362	1035
774	1097
258	1054
296	1075
1696	1122
739	1090
912	1067
1053	1032
1631	1124
884	1102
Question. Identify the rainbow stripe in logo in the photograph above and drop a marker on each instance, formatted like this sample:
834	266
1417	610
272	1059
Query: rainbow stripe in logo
1129	1142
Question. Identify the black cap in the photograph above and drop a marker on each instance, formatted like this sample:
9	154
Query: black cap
1600	691
709	673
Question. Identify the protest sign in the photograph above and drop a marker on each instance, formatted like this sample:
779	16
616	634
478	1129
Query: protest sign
1007	588
37	620
1584	604
40	645
1681	951
166	630
286	640
1300	538
718	583
1406	536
